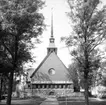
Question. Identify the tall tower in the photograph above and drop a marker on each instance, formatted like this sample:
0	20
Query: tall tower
52	47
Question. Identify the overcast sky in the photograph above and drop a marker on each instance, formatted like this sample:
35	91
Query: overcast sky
61	28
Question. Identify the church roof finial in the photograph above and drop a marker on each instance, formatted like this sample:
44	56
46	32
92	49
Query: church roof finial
51	22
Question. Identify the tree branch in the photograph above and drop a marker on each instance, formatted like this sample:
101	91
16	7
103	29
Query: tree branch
8	49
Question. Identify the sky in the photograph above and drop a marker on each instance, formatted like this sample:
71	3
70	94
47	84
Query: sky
61	28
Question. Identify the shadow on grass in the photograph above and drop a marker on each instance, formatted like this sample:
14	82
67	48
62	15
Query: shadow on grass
70	99
82	103
29	101
38	98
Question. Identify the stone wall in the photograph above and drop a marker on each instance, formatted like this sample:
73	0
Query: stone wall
57	92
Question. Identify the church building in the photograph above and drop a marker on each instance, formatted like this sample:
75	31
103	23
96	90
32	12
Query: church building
51	75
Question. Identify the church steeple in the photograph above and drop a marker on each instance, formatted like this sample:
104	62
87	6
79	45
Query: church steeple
52	23
52	47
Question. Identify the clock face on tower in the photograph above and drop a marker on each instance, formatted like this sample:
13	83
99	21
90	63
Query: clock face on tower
51	71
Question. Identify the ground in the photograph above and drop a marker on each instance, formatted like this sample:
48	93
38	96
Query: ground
53	101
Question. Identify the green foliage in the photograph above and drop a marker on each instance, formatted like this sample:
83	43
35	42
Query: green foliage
20	22
4	81
74	75
89	29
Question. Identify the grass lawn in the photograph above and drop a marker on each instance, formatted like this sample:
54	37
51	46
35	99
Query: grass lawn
79	101
37	98
32	101
82	103
70	99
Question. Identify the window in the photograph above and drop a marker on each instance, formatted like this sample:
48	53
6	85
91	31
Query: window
55	86
51	71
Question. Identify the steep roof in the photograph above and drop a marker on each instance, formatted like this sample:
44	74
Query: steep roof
40	65
44	61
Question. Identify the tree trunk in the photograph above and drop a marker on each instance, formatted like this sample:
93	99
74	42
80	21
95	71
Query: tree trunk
86	92
1	87
10	86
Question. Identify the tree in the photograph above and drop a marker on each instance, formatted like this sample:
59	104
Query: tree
89	29
21	21
3	85
73	74
101	77
4	69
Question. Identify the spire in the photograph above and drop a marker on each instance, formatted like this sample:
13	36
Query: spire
52	47
51	22
52	38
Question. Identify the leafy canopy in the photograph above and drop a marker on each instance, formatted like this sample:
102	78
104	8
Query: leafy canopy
20	22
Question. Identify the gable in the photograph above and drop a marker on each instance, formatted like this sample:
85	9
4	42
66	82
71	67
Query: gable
51	69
